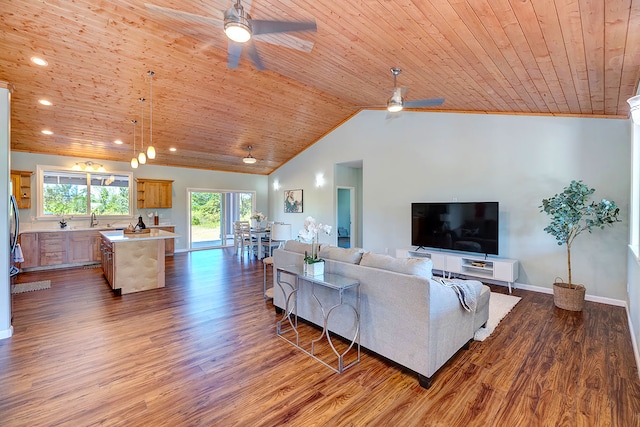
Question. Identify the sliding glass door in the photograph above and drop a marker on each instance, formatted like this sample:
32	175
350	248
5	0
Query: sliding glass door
212	214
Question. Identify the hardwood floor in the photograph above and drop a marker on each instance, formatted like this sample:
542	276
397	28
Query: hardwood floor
203	351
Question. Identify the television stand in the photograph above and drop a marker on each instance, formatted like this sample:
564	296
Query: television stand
476	266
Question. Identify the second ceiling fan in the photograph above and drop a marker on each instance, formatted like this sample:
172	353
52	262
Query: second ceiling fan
397	103
242	30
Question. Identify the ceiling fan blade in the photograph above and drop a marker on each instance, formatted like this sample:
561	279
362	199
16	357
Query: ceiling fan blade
216	20
253	54
286	40
433	102
267	27
233	54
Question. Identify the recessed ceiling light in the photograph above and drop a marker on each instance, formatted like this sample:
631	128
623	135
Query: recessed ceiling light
118	142
39	61
47	132
45	102
172	149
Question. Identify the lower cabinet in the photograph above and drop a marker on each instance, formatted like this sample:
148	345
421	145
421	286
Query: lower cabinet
30	250
84	246
106	259
53	248
50	249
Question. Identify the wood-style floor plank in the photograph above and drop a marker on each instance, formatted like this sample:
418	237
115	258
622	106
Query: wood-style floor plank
203	351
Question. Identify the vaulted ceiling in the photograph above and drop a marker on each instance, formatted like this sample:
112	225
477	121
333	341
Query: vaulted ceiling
562	57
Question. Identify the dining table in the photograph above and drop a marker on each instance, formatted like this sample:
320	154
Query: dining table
259	233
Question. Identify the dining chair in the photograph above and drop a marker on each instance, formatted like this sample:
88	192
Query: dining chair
242	237
280	233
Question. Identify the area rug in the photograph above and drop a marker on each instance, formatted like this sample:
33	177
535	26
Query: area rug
499	306
31	286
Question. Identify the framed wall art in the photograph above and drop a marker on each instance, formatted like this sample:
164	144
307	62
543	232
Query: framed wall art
293	201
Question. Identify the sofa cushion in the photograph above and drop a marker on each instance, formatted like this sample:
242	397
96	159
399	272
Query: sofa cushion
299	247
348	255
416	266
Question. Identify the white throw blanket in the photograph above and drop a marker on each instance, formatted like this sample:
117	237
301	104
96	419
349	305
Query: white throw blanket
467	293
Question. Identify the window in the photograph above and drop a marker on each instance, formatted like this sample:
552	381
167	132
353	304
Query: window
71	193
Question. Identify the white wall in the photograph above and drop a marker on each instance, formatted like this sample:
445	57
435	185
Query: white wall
183	178
516	160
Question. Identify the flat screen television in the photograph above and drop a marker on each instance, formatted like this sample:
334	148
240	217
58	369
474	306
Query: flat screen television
456	226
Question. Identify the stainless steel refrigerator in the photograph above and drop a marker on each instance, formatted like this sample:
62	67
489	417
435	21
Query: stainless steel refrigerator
14	231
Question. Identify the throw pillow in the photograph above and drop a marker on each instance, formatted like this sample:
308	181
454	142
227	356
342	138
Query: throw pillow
348	255
416	266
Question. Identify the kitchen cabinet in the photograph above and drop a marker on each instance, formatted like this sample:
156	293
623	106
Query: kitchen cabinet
84	246
154	193
106	259
30	250
21	184
51	249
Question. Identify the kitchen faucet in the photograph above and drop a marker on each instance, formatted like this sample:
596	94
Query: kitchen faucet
94	221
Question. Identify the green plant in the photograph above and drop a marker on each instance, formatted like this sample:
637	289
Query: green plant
572	213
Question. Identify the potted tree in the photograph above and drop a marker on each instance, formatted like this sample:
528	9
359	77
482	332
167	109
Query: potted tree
571	214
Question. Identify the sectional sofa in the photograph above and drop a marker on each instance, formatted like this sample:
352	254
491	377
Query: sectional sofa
405	315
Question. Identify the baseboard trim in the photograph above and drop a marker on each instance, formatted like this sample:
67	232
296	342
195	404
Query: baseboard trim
634	343
6	333
593	298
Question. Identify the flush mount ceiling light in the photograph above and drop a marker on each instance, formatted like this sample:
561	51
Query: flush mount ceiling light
236	24
45	102
634	103
88	166
39	61
47	132
249	159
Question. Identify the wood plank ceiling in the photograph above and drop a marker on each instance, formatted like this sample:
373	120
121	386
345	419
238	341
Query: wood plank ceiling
562	57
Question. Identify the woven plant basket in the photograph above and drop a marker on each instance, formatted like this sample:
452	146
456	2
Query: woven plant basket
568	298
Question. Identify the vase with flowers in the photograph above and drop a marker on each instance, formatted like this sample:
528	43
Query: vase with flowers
259	217
312	263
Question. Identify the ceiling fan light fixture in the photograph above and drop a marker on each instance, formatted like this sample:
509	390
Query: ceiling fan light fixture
394	106
236	24
237	31
249	159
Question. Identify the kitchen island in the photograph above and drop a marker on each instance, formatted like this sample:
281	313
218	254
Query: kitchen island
134	262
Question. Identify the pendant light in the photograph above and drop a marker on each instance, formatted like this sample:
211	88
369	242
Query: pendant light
151	151
134	160
142	158
249	159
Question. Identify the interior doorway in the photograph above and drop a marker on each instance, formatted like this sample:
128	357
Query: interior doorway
345	216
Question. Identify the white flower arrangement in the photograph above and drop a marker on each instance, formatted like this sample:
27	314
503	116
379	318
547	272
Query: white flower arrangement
310	234
259	216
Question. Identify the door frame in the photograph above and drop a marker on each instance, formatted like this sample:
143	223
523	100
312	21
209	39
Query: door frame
352	213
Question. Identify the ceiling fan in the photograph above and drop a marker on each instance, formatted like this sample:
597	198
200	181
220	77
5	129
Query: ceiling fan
241	30
397	102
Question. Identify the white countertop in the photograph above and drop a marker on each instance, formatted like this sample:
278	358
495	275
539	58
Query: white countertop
154	234
82	228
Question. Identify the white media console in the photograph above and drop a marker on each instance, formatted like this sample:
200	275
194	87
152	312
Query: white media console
477	266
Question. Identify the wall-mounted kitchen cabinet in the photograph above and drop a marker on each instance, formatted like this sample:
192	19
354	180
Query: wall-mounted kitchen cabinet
154	193
21	183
